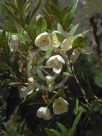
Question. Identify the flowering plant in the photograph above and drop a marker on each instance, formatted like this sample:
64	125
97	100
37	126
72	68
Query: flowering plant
41	53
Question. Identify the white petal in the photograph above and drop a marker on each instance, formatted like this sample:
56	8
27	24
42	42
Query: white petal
55	62
57	70
60	106
56	38
44	112
66	45
58	57
38	16
43	41
49	79
52	61
74	56
52	58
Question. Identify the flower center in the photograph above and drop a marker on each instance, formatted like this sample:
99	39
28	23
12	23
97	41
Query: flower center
59	104
44	41
55	63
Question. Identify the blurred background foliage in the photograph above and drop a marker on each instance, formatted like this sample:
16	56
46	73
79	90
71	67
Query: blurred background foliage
94	6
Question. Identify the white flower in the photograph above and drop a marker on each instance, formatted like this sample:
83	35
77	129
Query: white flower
43	41
74	56
55	62
67	43
14	43
56	39
31	85
76	52
60	106
25	91
44	113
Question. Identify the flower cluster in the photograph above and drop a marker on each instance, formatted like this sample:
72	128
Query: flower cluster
62	43
43	51
45	40
59	106
65	51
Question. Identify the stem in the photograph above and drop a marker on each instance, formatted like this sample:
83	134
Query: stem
91	92
77	81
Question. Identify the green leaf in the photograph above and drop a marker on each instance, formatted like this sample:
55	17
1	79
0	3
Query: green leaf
63	129
56	13
34	10
74	29
98	77
31	32
49	51
19	4
67	20
23	39
65	10
74	7
41	25
40	74
10	26
70	15
85	32
79	41
8	9
13	6
59	27
76	106
52	132
26	5
77	119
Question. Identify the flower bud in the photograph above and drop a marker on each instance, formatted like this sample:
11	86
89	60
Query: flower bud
49	80
44	113
14	43
30	80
